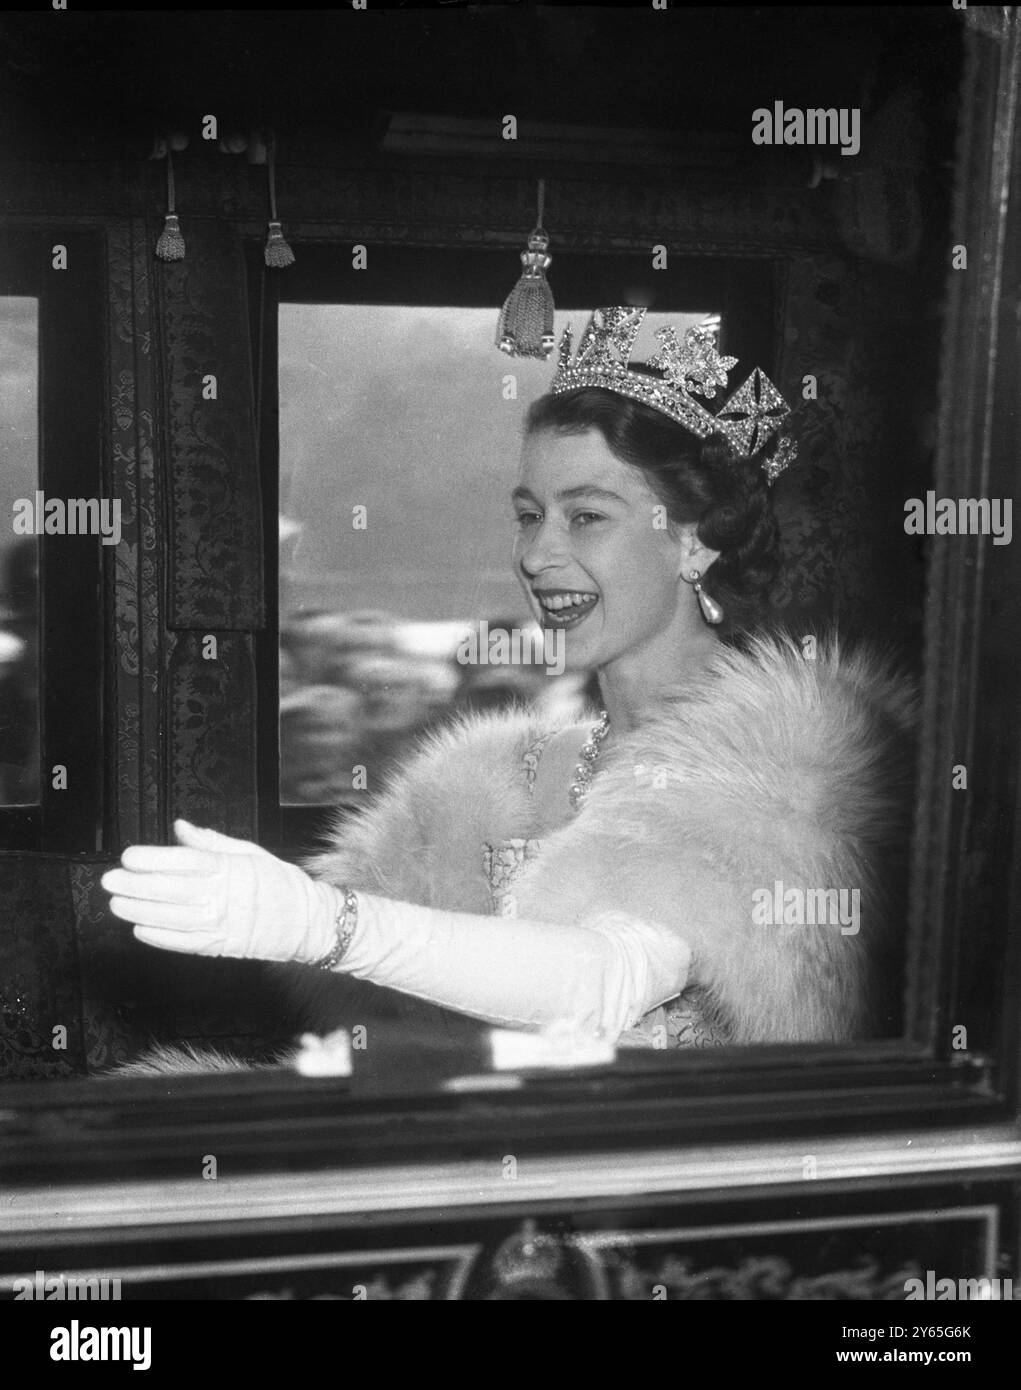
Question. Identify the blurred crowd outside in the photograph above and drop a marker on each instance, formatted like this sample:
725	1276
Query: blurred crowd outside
358	690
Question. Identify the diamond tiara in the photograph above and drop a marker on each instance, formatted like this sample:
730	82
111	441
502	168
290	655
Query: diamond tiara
679	372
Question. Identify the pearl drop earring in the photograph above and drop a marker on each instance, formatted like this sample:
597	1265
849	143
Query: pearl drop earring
711	610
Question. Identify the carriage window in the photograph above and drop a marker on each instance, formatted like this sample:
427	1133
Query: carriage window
400	429
19	576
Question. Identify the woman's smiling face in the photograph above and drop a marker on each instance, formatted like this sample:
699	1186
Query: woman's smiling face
593	551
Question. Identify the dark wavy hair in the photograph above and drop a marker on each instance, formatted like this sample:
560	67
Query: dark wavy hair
699	481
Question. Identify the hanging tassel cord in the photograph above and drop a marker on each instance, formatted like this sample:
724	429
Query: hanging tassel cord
170	246
526	321
271	161
277	252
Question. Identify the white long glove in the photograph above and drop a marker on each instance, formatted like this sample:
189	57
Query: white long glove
220	896
217	896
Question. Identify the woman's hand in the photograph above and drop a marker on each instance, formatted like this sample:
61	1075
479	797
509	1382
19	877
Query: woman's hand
213	895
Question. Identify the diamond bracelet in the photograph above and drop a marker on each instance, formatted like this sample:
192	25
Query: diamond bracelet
346	922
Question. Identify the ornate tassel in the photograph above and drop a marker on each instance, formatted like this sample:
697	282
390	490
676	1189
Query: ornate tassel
526	322
170	246
277	252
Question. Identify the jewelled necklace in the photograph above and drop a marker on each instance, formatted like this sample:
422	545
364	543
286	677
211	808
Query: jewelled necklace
589	754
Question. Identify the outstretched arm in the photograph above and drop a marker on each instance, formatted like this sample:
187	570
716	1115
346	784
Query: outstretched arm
218	896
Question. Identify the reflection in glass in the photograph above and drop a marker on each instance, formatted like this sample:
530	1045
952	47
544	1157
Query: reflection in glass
400	429
19	568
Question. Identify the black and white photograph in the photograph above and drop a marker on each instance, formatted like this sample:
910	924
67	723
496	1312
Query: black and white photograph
509	682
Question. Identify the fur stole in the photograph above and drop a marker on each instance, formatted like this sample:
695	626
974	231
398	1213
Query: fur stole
774	770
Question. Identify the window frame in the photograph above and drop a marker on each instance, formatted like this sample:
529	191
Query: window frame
72	373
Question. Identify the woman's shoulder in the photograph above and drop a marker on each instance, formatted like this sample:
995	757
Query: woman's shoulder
793	699
811	676
498	747
423	831
506	733
776	726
